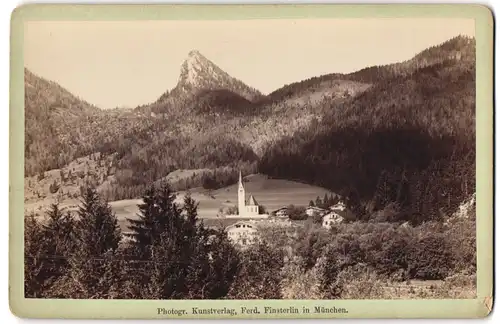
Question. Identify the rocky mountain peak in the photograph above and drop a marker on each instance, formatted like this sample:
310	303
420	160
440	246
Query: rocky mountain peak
199	73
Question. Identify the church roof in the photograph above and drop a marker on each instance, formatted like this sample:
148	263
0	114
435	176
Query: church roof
252	201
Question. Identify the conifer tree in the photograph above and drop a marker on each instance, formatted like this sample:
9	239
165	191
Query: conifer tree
224	266
93	271
334	200
58	244
325	201
157	213
179	260
162	269
318	202
330	270
96	230
35	276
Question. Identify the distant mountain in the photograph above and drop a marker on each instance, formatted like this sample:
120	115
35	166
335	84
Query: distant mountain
199	75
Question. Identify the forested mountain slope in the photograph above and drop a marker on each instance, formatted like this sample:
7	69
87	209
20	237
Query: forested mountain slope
409	140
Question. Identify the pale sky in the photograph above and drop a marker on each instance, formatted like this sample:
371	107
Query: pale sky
126	64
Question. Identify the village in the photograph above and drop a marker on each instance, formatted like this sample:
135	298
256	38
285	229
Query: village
243	224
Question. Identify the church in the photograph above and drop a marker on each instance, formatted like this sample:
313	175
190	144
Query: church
247	208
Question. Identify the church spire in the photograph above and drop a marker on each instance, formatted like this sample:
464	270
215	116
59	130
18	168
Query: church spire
241	197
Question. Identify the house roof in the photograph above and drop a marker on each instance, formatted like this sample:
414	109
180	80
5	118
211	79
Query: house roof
252	201
221	222
281	208
345	214
338	206
252	224
316	208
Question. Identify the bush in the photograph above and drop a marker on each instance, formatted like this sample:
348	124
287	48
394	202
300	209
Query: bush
297	284
310	246
430	258
359	282
260	274
296	212
390	213
461	235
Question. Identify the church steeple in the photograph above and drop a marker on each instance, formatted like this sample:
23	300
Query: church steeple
241	196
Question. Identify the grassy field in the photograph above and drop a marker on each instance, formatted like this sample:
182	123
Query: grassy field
271	193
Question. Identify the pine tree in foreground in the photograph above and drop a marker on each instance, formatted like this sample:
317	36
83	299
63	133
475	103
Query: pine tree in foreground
176	257
93	271
157	213
225	263
57	231
35	276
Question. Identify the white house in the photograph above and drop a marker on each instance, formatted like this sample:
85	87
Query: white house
243	233
281	212
313	211
330	219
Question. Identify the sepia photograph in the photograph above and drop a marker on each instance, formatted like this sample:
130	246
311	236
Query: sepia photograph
250	159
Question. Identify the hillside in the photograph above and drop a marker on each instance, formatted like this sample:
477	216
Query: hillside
409	139
52	124
60	127
459	48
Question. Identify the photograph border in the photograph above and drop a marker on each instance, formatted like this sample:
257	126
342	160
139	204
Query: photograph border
146	309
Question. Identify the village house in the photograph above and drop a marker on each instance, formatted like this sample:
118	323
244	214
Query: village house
330	219
337	214
281	212
315	211
243	233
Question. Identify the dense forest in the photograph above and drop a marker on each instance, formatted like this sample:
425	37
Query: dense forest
409	141
170	254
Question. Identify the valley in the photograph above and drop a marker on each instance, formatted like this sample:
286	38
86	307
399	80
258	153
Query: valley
385	126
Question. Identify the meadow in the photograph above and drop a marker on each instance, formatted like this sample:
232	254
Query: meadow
270	193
